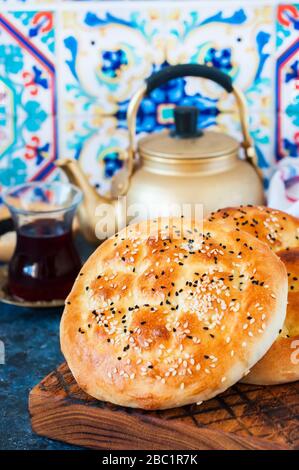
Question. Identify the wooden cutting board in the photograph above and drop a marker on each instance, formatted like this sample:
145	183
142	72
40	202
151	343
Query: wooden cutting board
244	417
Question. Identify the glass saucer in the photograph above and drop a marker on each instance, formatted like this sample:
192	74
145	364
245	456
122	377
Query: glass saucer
8	299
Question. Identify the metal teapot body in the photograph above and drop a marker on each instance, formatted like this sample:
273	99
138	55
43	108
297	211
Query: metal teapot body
233	185
169	170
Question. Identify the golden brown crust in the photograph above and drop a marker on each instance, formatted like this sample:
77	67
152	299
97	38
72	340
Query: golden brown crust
281	232
276	228
157	320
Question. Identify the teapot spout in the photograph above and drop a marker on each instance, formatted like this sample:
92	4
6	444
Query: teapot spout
91	199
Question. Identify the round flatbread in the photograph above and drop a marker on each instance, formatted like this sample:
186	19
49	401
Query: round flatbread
171	312
281	233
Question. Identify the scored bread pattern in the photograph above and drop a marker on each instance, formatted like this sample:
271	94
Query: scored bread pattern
171	309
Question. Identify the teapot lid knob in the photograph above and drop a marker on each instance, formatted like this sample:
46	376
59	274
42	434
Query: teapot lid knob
185	119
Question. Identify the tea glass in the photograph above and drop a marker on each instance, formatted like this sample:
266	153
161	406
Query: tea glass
45	262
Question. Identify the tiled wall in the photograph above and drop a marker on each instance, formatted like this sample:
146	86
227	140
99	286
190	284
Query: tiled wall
68	70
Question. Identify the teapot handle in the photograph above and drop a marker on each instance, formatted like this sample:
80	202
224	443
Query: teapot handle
195	70
188	70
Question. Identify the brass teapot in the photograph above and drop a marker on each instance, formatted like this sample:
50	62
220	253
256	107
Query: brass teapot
183	166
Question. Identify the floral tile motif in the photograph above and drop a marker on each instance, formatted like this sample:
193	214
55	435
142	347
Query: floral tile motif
36	26
27	147
287	81
107	54
228	37
106	50
97	143
288	135
27	95
287	25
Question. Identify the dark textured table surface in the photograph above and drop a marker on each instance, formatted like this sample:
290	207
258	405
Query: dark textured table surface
31	343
